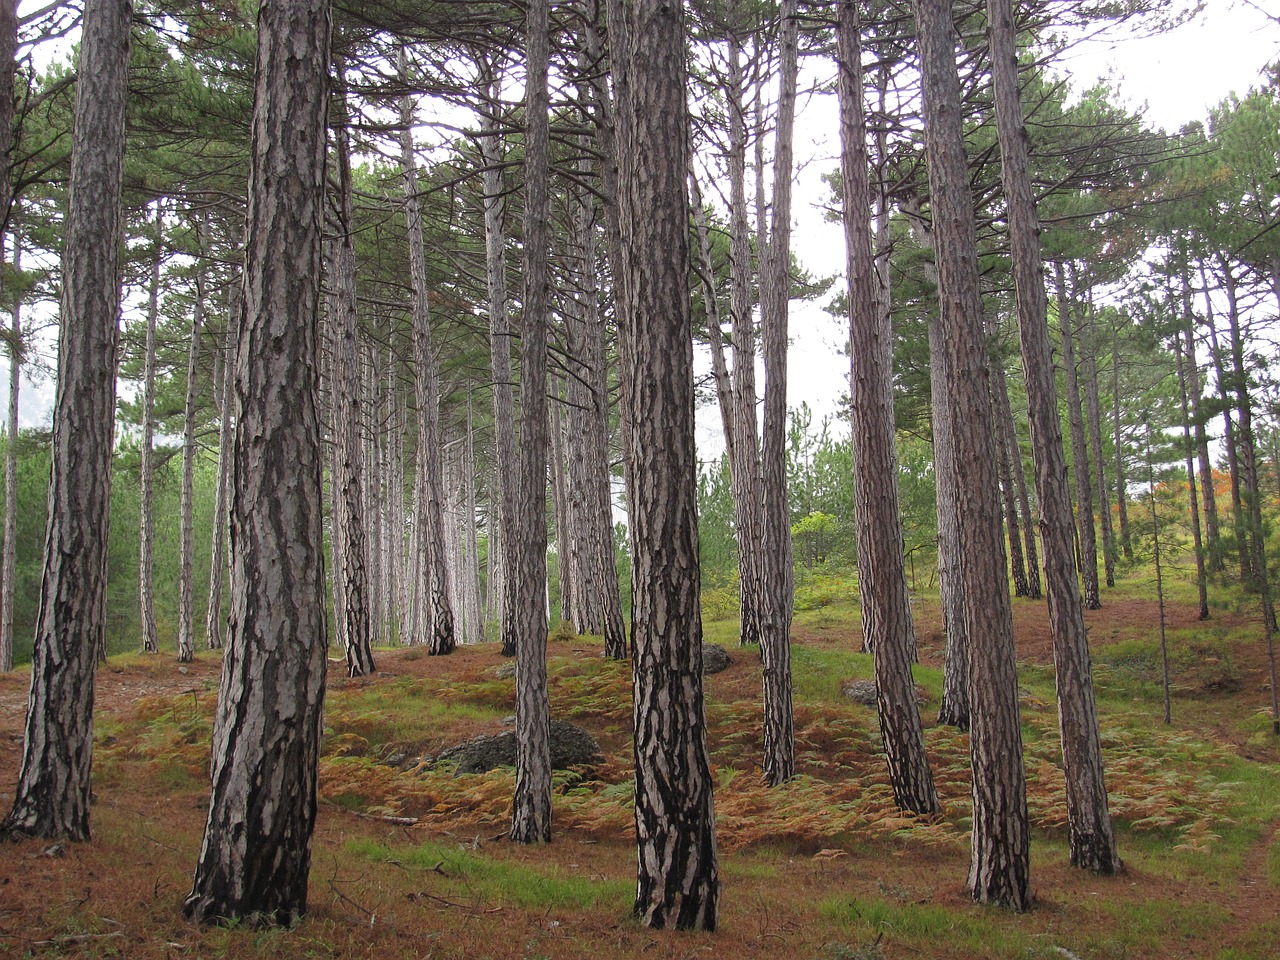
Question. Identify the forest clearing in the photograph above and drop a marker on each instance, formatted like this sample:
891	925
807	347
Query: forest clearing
823	868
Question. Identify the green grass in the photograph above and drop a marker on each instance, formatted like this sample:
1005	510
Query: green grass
985	932
468	874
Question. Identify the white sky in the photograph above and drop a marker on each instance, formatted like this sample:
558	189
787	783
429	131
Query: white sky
1178	76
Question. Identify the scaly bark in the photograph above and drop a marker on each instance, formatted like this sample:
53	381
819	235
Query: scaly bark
53	791
256	854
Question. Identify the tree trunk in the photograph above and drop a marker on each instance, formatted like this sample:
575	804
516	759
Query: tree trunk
256	854
351	587
1000	867
1007	445
1093	405
1088	559
1089	832
882	577
778	586
1202	586
9	558
215	623
504	406
675	824
1229	440
1122	483
53	791
433	618
187	536
600	604
1213	548
146	469
531	808
745	465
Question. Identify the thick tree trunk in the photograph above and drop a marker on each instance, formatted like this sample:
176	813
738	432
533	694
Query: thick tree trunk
1000	869
675	824
256	854
1088	559
146	468
1089	832
351	587
53	791
882	578
215	622
433	607
187	535
9	557
531	808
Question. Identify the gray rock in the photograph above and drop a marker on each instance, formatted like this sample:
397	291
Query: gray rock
861	691
571	746
506	671
714	658
864	692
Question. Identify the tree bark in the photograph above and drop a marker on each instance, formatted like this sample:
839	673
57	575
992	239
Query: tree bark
531	809
9	557
778	585
349	536
1000	867
745	465
146	469
1122	483
256	854
677	884
433	607
1088	559
214	621
504	406
1202	585
882	578
53	791
187	535
1089	830
1007	444
1093	407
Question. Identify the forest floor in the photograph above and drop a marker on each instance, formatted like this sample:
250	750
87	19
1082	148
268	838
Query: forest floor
823	867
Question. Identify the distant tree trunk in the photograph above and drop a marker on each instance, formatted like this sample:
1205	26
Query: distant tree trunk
433	618
1213	548
531	808
1093	405
351	587
9	558
256	854
146	469
882	577
8	67
954	710
1000	869
1007	446
1229	439
715	324
214	620
187	549
400	607
53	791
678	884
1088	559
1089	833
1202	586
373	431
504	406
1122	483
600	604
778	586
